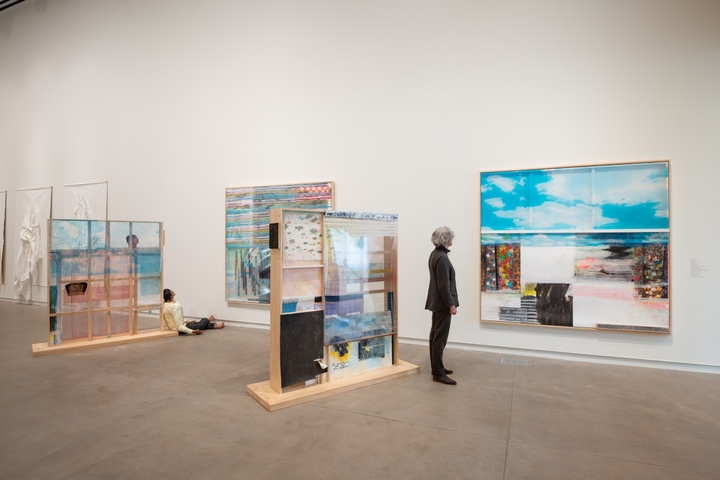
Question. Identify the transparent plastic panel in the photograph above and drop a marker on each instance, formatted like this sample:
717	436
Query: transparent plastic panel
98	295
54	274
149	319
301	304
356	326
75	266
299	282
53	298
121	264
146	234
359	251
101	275
98	235
377	302
55	337
346	261
73	297
148	263
149	291
360	275
99	265
120	291
74	326
120	322
362	356
69	235
119	235
100	324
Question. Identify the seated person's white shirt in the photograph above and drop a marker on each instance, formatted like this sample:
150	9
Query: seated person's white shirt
174	317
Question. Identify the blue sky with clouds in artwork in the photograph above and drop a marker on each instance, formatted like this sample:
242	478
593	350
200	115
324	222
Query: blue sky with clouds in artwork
612	197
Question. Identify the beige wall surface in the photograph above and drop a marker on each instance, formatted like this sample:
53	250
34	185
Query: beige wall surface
400	103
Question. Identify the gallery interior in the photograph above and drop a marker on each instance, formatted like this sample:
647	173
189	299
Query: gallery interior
403	110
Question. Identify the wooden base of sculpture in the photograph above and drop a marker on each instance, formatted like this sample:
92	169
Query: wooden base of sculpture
41	349
272	400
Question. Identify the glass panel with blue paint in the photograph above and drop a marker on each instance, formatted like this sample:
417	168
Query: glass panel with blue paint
149	291
69	235
360	258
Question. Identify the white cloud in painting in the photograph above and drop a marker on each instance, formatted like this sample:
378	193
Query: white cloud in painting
662	213
553	215
542	240
629	188
633	189
566	188
68	235
657	238
503	183
495	202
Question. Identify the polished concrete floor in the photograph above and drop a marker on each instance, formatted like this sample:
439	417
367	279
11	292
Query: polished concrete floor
177	409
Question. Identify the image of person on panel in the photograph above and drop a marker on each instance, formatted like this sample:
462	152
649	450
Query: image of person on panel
442	301
132	241
175	319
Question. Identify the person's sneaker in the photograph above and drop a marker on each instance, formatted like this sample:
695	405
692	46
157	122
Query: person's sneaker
444	379
219	325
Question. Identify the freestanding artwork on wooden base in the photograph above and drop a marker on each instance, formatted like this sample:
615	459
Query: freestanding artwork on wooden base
582	247
105	284
333	308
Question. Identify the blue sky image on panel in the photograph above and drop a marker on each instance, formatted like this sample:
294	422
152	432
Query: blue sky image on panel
612	197
148	233
69	235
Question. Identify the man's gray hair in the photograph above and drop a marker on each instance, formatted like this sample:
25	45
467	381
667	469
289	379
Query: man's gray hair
442	236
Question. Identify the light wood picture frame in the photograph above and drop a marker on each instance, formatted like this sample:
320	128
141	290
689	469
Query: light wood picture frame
578	247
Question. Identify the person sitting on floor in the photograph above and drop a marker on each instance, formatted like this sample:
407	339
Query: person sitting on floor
175	319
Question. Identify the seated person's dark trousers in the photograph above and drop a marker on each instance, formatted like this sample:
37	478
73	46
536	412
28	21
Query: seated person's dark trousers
202	324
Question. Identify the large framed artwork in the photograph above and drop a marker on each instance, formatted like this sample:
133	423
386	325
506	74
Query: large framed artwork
582	247
247	219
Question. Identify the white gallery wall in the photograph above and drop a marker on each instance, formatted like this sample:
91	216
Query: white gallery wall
401	103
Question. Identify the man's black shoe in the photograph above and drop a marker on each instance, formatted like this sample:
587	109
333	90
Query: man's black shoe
444	379
448	372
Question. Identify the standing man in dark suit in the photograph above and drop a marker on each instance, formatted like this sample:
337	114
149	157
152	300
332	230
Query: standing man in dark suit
442	301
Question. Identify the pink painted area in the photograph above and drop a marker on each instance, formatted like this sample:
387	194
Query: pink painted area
621	292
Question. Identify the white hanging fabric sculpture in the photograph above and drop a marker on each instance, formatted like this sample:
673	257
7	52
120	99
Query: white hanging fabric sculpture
26	265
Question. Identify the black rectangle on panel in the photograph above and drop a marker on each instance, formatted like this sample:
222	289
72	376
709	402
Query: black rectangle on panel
301	343
273	241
